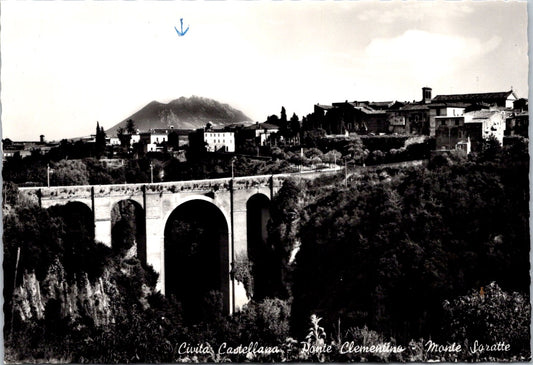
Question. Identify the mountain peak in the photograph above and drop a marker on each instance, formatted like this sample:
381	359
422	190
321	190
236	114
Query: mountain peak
182	113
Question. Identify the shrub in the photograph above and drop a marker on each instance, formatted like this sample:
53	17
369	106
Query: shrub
491	315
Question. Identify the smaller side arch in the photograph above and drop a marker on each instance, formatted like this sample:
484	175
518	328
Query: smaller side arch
260	254
78	217
128	228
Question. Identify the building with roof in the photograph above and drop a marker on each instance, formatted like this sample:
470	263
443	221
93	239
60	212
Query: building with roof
410	118
349	117
451	134
503	99
263	133
468	131
219	140
517	124
26	148
439	110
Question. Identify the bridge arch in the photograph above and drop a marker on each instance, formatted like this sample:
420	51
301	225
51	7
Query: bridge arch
78	218
128	228
197	257
260	254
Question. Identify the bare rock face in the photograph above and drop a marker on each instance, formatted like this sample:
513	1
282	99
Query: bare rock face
80	297
27	298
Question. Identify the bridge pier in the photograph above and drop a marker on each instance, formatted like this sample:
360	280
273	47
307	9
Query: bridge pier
102	221
155	237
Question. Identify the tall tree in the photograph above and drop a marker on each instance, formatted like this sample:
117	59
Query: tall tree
100	140
123	137
283	125
283	115
130	126
294	127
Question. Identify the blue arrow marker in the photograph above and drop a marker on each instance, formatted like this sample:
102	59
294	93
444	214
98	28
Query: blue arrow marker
182	32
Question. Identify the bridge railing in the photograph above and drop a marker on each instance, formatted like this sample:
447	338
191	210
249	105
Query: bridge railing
241	182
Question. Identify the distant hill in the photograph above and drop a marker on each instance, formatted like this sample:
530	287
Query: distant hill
183	113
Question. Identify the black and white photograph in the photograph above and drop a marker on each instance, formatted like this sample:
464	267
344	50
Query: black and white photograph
265	181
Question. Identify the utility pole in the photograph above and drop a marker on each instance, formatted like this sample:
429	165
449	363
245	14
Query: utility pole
232	174
48	174
151	173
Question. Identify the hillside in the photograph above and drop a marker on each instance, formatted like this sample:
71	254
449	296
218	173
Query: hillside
183	113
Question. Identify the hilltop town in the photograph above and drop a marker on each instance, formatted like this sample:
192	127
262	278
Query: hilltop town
457	122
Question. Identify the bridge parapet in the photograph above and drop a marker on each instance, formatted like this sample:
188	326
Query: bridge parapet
189	186
118	190
58	192
223	184
250	182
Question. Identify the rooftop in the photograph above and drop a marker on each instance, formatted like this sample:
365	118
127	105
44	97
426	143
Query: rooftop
476	97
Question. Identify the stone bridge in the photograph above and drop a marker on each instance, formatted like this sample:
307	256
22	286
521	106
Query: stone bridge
227	203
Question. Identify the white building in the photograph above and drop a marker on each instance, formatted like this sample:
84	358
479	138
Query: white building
264	131
492	123
217	140
158	135
114	141
135	138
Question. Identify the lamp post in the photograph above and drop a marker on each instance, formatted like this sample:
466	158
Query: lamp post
151	173
48	174
232	175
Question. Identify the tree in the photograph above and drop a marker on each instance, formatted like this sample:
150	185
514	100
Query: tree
130	126
283	125
294	127
124	138
332	156
490	149
283	115
69	172
99	140
490	315
97	172
173	140
354	150
273	119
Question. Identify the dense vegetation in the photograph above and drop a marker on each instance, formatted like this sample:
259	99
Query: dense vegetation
398	255
78	163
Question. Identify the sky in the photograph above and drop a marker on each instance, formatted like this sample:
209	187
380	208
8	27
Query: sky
67	65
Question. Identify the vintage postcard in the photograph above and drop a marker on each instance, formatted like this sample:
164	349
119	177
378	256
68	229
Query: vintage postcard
265	181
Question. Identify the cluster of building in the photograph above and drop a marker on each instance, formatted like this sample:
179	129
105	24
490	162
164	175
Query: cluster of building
152	140
226	139
459	121
26	148
234	137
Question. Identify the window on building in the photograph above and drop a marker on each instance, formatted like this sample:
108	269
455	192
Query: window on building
457	122
442	122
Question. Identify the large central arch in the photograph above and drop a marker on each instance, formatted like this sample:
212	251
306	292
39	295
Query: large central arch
197	258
